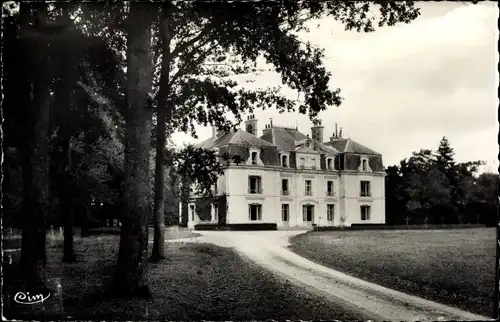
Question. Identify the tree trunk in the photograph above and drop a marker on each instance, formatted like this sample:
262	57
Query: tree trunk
130	276
68	62
158	252
69	252
184	194
164	114
33	253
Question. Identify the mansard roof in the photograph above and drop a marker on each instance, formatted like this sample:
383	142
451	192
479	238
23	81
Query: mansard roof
347	145
286	139
239	137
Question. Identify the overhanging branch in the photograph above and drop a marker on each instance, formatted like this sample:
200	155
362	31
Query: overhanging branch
183	46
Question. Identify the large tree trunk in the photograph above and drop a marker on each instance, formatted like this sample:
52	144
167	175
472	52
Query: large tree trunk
164	114
33	253
68	78
130	276
158	252
69	252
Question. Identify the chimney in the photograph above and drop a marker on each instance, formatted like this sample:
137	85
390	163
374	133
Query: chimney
317	132
336	134
251	125
340	133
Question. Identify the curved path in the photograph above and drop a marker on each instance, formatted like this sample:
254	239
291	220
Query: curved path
268	248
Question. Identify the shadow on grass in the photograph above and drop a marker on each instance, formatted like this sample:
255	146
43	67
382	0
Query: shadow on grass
196	282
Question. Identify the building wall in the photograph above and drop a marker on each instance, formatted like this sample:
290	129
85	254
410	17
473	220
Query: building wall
239	198
271	198
353	200
346	198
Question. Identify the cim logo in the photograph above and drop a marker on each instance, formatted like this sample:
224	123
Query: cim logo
26	298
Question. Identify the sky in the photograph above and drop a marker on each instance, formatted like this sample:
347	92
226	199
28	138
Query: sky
407	86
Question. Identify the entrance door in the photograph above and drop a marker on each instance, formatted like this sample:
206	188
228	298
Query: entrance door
308	215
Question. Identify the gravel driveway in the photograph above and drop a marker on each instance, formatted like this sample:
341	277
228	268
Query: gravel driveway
268	248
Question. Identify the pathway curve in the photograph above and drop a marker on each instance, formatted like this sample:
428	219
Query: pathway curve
269	249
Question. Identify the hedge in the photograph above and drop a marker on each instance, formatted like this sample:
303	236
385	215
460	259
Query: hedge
396	227
238	227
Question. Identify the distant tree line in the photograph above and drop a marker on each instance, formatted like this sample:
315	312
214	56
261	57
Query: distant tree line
430	187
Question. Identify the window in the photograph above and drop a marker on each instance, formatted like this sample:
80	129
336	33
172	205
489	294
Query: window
365	189
364	165
308	188
308	213
284	161
329	164
285	208
302	162
284	187
254	184
191	207
313	163
365	212
330	211
254	157
216	212
255	212
329	188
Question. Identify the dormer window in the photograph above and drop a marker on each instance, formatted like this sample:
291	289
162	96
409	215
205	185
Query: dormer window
284	161
329	164
364	165
254	157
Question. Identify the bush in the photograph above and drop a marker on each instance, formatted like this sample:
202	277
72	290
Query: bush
395	227
206	227
238	227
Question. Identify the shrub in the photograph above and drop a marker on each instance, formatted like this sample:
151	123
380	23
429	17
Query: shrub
238	227
395	227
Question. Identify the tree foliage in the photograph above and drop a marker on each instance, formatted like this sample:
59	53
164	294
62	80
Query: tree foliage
432	187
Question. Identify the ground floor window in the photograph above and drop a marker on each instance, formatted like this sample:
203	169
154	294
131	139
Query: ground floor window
192	209
365	212
216	211
330	210
255	212
285	210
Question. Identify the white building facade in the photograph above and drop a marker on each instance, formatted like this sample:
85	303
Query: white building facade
294	180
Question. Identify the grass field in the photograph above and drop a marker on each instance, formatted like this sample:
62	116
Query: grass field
197	281
453	267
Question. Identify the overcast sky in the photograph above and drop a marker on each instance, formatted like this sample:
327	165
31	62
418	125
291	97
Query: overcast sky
406	87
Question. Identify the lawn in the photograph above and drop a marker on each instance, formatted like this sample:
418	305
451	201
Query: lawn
453	267
197	281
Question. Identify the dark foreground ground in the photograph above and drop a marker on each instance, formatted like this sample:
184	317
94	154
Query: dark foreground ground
197	281
453	267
